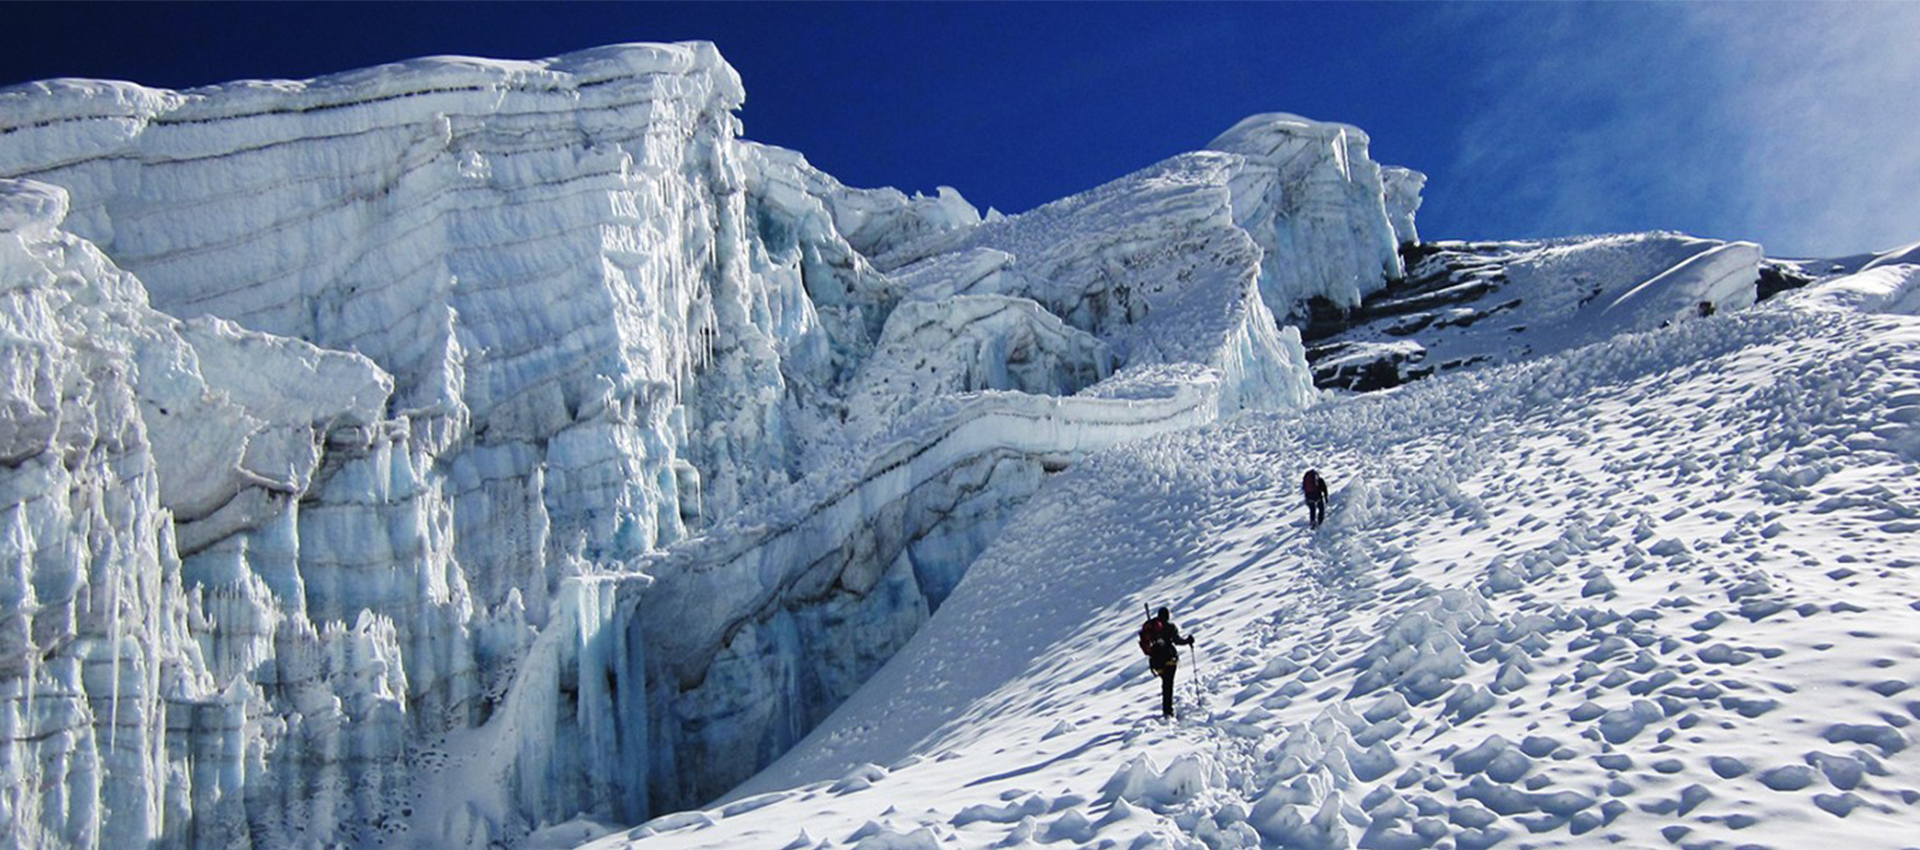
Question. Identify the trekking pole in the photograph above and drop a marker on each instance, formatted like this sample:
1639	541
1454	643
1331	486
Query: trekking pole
1196	672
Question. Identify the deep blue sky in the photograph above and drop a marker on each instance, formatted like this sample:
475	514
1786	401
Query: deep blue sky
1790	124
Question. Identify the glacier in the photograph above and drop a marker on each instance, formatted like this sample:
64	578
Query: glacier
442	450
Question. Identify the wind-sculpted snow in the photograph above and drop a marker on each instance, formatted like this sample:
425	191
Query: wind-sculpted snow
1319	219
1881	289
1651	591
509	441
1470	304
1904	255
1719	278
1158	265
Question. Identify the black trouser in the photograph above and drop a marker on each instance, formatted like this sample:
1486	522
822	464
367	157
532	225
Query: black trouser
1165	671
1316	510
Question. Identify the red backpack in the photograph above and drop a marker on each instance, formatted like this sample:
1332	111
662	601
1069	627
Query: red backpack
1156	639
1151	635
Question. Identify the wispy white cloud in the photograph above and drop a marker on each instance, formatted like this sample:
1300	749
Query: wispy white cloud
1830	97
1795	124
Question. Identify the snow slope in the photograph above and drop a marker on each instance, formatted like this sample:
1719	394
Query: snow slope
1660	589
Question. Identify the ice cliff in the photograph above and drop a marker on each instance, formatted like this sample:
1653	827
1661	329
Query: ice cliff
437	450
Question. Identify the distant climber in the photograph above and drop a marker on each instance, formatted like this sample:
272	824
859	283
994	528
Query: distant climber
1315	489
1159	638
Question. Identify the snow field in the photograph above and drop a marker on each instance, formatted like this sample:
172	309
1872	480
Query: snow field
1656	591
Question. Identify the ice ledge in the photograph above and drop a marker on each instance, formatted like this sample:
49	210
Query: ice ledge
1270	133
731	573
34	103
32	207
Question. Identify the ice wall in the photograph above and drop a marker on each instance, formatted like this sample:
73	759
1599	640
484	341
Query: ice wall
533	446
540	255
126	432
85	546
1315	201
1402	187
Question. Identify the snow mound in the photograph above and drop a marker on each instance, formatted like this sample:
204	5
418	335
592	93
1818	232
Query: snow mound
1880	289
1907	255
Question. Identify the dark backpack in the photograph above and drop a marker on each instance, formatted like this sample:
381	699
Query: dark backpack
1156	640
1153	638
1311	484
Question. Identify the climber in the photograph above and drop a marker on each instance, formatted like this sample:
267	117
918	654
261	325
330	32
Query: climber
1158	639
1315	489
